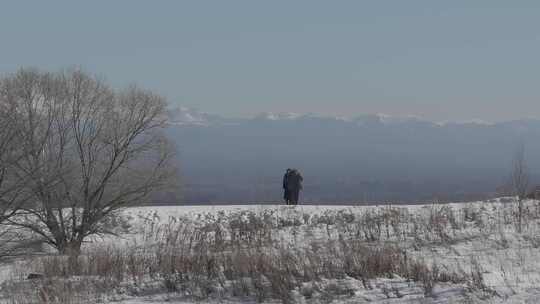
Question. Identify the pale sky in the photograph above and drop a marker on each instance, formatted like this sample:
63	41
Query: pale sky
441	60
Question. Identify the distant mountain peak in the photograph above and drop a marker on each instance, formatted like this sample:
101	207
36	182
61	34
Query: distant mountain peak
278	116
479	122
385	119
188	116
393	119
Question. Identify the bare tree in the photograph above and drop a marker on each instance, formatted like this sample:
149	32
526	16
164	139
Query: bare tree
520	180
91	151
13	191
10	187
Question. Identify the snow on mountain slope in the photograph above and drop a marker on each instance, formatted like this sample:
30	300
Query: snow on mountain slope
187	116
278	116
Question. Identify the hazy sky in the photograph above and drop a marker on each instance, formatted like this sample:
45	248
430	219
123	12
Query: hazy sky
442	60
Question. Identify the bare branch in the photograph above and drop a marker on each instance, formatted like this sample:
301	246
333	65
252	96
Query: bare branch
86	150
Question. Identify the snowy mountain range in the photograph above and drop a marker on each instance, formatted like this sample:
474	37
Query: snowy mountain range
189	116
366	158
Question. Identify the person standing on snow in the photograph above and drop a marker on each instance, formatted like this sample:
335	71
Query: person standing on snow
286	195
294	185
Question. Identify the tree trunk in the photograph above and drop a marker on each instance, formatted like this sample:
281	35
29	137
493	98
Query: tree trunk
70	248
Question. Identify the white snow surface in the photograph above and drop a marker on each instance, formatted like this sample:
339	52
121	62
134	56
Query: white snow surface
509	261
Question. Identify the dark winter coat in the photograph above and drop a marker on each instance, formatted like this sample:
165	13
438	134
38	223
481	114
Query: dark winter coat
285	189
294	180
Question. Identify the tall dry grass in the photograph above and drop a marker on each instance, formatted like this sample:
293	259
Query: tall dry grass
272	254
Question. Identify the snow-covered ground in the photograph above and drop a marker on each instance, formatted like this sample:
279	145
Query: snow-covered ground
473	252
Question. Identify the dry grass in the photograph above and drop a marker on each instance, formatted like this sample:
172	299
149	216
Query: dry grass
248	254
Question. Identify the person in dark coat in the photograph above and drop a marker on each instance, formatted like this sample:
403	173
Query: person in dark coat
285	188
294	185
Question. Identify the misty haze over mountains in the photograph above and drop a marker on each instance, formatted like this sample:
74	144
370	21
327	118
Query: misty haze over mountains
369	158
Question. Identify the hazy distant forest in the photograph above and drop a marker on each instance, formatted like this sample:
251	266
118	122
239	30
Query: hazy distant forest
366	159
